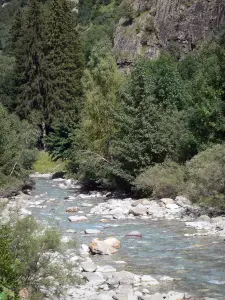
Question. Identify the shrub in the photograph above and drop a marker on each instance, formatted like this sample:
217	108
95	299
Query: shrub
206	177
126	10
162	180
17	148
22	248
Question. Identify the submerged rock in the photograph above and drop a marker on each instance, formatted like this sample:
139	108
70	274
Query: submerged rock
92	231
72	209
136	234
77	218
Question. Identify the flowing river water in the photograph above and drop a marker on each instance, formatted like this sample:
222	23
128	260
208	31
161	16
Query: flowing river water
197	263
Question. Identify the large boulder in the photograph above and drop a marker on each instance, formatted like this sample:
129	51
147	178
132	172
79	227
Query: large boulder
102	248
113	242
138	211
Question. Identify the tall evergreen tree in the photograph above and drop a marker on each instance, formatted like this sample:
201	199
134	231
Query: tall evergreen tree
64	60
149	119
30	70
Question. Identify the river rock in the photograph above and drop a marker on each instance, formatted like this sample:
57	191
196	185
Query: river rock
92	231
102	248
218	220
77	218
203	218
166	278
149	280
134	234
113	242
25	212
124	277
172	206
105	269
72	209
84	249
183	201
95	278
167	201
119	216
88	266
140	202
138	211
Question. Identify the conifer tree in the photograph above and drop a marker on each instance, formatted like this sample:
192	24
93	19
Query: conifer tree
30	71
64	60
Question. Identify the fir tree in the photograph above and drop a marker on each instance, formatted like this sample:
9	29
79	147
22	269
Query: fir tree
64	60
30	70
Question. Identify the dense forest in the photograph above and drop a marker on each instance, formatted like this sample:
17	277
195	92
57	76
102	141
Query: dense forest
155	130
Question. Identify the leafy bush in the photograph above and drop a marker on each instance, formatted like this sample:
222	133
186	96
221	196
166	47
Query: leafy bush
206	177
126	10
17	152
162	180
21	250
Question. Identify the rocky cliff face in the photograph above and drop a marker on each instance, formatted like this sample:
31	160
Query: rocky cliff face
175	25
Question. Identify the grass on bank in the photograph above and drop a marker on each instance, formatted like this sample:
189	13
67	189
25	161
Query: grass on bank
44	164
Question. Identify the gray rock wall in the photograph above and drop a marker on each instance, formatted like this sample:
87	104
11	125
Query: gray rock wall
175	25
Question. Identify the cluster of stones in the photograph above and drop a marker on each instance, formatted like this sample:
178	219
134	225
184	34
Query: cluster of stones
179	209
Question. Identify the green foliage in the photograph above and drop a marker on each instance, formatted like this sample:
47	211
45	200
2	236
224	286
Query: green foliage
206	173
150	119
101	83
17	141
126	10
29	69
22	247
6	294
162	180
7	90
45	164
60	139
64	60
204	84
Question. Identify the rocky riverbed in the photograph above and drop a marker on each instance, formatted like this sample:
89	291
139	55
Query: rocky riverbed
108	277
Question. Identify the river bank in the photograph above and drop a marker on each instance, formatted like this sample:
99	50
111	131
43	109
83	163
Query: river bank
109	277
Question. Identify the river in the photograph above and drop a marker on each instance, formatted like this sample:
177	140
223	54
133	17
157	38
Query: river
197	263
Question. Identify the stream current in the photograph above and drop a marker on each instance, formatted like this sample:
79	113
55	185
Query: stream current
197	263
